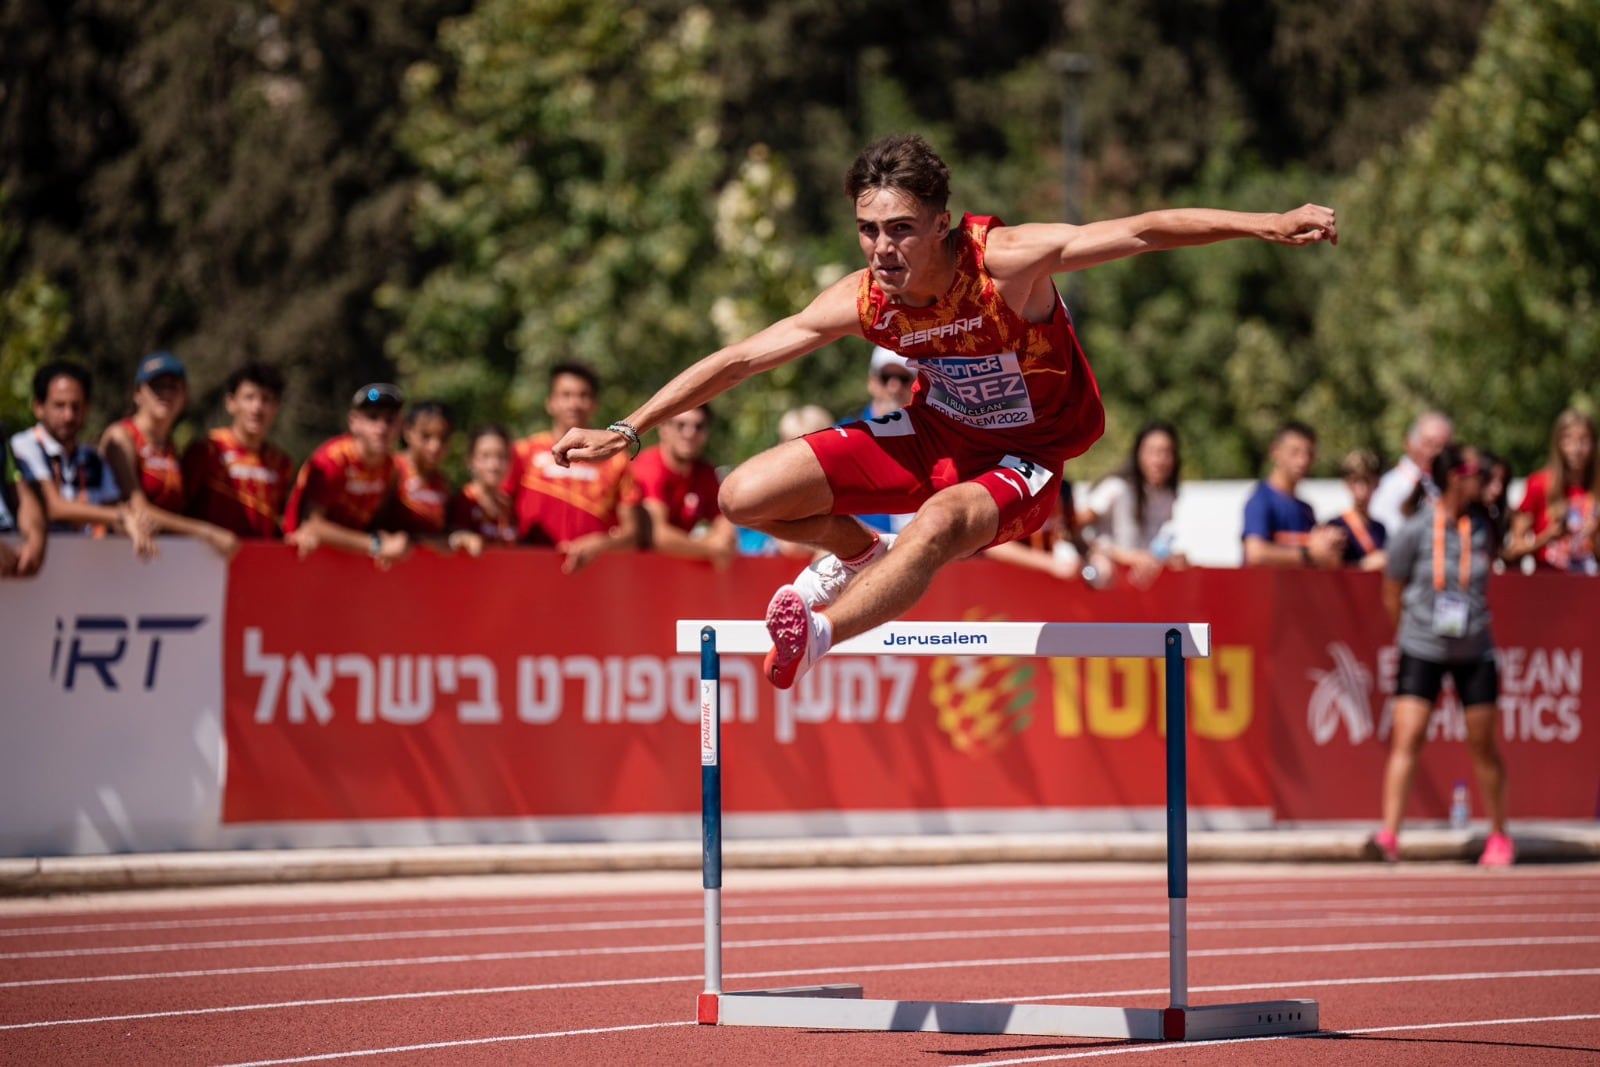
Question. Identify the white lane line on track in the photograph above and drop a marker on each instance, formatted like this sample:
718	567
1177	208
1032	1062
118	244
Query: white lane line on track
464	1043
1197	910
1175	1046
377	998
1318	923
1117	1050
1024	961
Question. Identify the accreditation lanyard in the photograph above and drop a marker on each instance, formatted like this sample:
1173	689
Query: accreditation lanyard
58	465
1358	527
1464	531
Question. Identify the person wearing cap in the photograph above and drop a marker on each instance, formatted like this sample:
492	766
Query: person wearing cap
343	487
77	486
234	477
139	451
584	510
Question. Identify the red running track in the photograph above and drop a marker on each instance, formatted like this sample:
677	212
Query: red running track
1421	964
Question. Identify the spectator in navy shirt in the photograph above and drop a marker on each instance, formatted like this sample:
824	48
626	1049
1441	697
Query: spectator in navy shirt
1280	529
1364	535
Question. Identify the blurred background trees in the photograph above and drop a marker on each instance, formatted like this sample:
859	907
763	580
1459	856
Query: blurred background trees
458	194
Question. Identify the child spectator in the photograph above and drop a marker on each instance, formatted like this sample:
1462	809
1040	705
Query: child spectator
234	477
140	452
343	487
1365	536
482	506
422	492
1557	521
679	491
79	490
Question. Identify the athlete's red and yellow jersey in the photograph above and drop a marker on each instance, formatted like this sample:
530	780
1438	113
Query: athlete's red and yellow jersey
238	488
344	487
492	519
160	474
555	504
1002	382
690	499
420	499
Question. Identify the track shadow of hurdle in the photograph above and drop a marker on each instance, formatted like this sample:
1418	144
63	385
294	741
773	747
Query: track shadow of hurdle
843	1006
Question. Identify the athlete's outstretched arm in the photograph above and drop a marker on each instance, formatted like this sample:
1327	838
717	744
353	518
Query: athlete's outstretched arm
827	318
1054	248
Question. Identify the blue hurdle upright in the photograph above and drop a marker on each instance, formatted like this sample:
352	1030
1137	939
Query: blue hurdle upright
842	1006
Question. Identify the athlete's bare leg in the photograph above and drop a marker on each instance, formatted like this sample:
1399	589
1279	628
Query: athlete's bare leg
953	524
783	492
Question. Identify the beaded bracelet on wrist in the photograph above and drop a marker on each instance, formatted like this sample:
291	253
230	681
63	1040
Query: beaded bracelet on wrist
627	430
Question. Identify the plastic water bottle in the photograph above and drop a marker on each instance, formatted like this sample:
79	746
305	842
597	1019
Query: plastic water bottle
1161	545
1460	807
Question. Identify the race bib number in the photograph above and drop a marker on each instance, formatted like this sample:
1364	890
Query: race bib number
1450	615
986	392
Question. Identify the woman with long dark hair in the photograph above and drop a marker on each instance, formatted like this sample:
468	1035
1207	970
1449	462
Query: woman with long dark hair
1132	509
1436	591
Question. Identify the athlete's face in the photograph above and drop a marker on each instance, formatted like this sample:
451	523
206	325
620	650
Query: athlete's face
63	410
903	242
427	440
571	403
253	410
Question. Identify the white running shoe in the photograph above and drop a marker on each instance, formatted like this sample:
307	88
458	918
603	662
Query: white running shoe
821	583
796	644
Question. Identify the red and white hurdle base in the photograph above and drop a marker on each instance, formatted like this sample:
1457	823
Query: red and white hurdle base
841	1007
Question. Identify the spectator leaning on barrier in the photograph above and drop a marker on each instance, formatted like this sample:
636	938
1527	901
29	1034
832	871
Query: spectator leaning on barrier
22	521
422	492
79	490
1430	432
343	487
1436	592
482	506
139	450
584	510
233	477
1364	535
678	490
1132	509
1280	529
1557	521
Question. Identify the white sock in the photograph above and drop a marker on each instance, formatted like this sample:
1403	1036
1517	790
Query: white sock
823	628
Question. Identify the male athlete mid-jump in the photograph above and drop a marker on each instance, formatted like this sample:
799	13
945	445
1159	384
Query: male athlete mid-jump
1004	396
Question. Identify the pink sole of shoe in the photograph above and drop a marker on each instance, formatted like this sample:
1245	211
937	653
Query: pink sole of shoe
789	629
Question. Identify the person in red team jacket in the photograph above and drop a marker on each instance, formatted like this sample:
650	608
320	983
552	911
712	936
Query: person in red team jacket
1004	395
678	490
234	477
344	486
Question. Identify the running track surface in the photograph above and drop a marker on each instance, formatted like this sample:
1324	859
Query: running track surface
1419	964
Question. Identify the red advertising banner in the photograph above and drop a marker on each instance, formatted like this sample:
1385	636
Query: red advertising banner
452	688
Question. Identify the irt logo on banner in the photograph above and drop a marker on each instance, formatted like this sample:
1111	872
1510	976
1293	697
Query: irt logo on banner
99	642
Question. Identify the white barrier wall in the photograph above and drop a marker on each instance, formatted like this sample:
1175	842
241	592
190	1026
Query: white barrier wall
111	700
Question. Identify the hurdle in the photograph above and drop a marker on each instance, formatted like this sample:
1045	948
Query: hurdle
842	1006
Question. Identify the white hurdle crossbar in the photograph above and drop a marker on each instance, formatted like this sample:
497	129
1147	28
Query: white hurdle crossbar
841	1006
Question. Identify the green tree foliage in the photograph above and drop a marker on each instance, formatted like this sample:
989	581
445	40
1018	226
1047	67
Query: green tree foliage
1474	281
34	324
215	178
